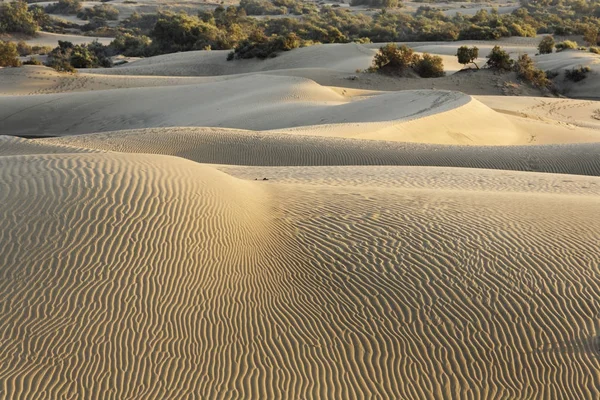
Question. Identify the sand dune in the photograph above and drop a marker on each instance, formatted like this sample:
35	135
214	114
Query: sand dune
589	87
265	103
226	146
340	57
51	39
171	279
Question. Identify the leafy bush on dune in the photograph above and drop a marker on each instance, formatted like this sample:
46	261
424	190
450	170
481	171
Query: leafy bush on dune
499	60
395	60
132	46
9	57
546	46
577	74
429	66
377	3
565	45
468	55
526	70
261	46
67	56
594	50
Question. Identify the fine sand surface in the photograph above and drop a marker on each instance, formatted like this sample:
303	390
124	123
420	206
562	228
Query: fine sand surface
173	279
279	231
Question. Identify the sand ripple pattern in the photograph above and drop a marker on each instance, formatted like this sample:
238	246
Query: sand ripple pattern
237	147
152	277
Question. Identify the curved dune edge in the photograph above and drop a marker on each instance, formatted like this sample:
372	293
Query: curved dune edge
262	102
236	147
172	279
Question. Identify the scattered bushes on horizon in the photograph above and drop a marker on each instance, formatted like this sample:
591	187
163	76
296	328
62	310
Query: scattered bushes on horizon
565	45
261	46
9	56
377	3
468	55
499	60
546	45
395	60
65	7
577	74
99	12
16	18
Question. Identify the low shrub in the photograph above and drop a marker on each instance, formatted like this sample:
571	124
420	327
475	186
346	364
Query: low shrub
9	56
499	60
428	66
565	45
526	70
546	46
577	74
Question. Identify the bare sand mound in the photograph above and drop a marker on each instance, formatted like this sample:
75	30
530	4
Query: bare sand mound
142	277
340	57
30	79
265	103
227	146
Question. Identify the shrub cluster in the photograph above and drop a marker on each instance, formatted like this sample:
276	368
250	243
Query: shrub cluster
261	46
67	56
102	12
16	18
577	74
65	7
567	44
395	60
468	55
9	57
376	3
526	70
499	60
546	45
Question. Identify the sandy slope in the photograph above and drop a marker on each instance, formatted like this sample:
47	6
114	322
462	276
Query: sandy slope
559	62
265	103
172	279
227	146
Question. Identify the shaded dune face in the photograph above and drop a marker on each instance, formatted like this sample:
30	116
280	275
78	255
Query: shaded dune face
137	276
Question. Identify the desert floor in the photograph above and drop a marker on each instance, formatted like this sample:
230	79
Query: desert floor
186	227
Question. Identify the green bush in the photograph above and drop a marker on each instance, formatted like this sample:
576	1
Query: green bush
428	66
393	59
9	57
65	7
526	70
262	47
499	60
32	61
102	12
546	46
467	55
567	44
132	46
577	74
66	57
16	18
376	3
